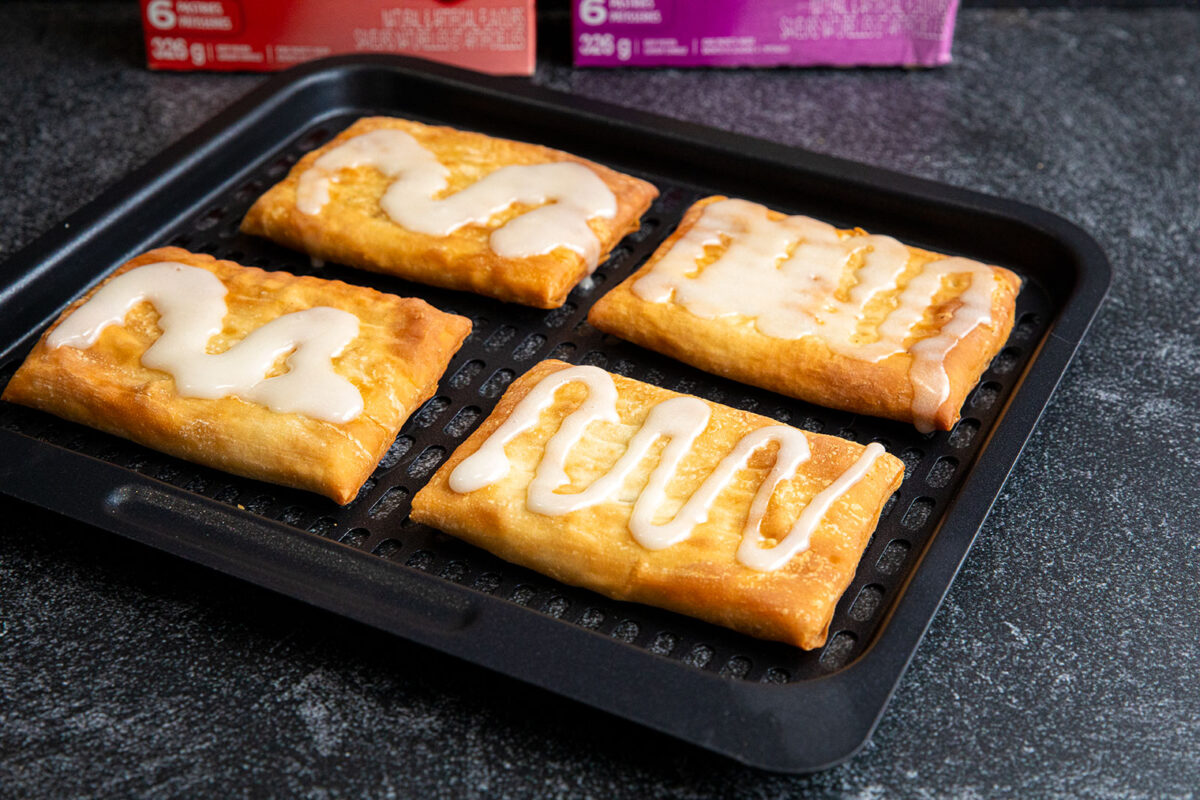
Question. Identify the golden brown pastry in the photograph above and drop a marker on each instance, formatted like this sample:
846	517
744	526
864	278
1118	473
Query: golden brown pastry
836	317
645	494
331	370
451	208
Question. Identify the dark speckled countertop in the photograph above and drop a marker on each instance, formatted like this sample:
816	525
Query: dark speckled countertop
1064	662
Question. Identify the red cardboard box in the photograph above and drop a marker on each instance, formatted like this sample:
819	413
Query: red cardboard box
495	36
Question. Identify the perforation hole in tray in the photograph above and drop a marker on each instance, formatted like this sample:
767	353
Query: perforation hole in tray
422	560
293	516
737	667
941	472
591	618
428	414
523	595
699	656
918	514
388	548
466	374
355	537
838	650
506	341
324	526
495	385
454	571
893	557
463	422
557	606
387	504
424	465
664	643
488	582
626	630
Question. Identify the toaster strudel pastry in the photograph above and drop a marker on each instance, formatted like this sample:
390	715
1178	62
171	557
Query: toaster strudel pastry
294	380
841	318
463	210
645	494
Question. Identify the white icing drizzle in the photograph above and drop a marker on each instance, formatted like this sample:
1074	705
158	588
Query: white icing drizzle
567	195
784	273
682	420
191	307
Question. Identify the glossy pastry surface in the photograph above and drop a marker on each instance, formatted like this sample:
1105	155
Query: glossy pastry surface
294	380
841	318
645	494
462	210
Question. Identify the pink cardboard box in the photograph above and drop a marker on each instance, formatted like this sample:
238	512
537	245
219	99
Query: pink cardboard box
763	33
494	36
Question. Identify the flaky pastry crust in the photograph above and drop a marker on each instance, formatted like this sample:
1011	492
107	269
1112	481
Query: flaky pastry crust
700	576
805	368
352	228
402	349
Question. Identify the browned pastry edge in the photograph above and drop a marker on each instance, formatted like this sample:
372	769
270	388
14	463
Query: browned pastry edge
403	347
700	576
358	233
803	368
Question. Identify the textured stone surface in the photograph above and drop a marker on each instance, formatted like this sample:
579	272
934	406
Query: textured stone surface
1063	663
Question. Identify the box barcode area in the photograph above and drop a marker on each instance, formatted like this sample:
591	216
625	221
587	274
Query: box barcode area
506	341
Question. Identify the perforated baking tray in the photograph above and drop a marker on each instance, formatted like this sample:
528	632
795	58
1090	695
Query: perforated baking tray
761	703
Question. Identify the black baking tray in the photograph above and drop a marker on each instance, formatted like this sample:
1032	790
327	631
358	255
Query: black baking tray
762	703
